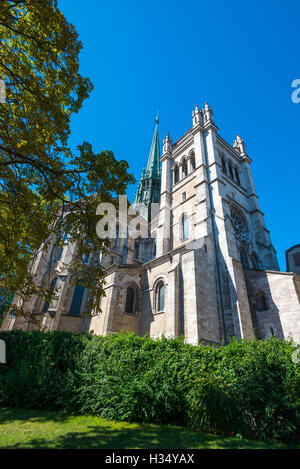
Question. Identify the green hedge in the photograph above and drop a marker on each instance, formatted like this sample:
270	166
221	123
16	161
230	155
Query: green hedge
250	387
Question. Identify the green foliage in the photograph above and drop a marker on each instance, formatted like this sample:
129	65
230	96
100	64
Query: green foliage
41	369
250	388
213	404
41	179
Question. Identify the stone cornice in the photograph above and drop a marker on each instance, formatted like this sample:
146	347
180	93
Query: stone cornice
182	143
232	151
116	267
210	125
165	156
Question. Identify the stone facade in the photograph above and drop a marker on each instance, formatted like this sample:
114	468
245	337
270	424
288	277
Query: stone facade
207	271
293	259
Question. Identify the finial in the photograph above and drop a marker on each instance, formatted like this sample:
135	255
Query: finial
239	145
157	119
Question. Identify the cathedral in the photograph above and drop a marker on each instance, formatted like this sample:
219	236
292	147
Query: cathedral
207	270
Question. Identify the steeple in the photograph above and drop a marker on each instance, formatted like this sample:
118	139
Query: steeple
153	166
140	187
148	190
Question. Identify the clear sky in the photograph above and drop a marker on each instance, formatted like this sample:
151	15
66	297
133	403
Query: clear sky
239	56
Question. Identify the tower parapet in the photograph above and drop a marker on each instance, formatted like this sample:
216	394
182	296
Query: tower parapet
207	113
167	144
197	116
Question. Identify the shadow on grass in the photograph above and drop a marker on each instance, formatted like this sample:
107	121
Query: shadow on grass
113	435
38	416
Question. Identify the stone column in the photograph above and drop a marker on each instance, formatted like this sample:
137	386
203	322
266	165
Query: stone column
163	234
172	306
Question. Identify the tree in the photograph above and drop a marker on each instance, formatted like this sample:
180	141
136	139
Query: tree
40	177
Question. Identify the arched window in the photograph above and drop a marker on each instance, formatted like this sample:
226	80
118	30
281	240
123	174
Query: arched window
224	169
244	259
154	242
184	168
137	248
193	162
131	301
176	174
77	300
230	171
160	294
261	301
51	288
124	254
237	176
185	227
255	261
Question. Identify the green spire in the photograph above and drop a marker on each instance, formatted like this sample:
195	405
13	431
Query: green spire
140	186
153	166
148	190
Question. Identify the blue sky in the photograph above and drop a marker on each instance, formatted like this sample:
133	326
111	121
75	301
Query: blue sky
240	57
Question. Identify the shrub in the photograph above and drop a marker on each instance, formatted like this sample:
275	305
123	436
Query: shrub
213	405
41	369
247	387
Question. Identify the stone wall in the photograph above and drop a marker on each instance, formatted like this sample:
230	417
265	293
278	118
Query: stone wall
283	303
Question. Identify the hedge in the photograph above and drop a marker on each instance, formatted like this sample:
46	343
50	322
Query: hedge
251	388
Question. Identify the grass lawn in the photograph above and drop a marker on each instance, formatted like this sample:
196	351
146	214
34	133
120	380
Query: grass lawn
21	428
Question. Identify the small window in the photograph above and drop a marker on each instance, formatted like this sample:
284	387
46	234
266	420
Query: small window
183	196
137	248
184	168
193	163
124	254
224	169
230	171
185	227
154	242
237	176
161	297
261	301
176	174
255	261
131	301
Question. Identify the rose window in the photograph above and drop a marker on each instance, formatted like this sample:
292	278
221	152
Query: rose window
239	224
